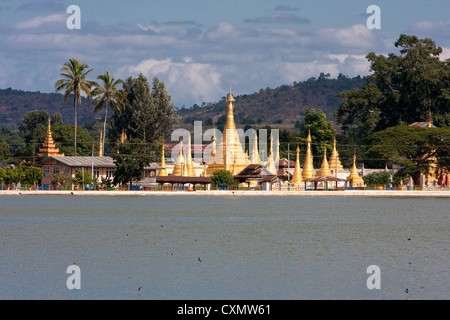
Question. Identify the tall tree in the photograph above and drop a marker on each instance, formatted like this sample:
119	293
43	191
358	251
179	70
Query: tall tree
322	133
130	161
401	90
74	82
148	113
31	119
108	94
417	150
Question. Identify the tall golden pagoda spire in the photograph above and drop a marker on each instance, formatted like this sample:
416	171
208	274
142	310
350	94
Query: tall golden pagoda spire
231	152
297	177
270	161
325	168
213	151
163	172
100	145
308	168
123	136
354	177
430	119
49	149
185	170
178	169
189	164
335	162
255	153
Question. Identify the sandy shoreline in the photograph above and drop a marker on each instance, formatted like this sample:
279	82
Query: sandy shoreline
351	193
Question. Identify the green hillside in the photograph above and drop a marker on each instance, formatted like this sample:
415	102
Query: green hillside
286	104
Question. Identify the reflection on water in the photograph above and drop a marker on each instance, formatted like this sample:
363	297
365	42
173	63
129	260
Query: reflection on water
223	247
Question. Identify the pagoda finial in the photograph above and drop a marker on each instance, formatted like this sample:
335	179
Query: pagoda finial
49	149
335	162
430	119
297	177
178	169
325	168
308	168
100	145
163	172
255	153
189	164
354	177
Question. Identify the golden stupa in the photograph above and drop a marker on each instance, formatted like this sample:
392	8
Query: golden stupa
308	168
297	177
325	168
335	162
255	153
100	145
229	154
49	149
189	164
163	172
354	177
270	161
178	169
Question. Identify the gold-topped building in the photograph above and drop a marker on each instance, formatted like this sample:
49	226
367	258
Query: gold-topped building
308	167
335	162
100	145
230	154
270	161
255	159
297	177
163	172
354	178
178	169
49	149
190	166
325	168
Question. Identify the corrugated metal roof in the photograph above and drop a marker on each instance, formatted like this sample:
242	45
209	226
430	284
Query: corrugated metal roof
99	162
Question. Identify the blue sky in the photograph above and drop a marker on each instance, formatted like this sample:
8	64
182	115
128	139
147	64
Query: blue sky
197	47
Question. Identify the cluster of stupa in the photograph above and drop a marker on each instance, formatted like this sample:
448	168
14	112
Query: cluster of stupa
327	168
230	155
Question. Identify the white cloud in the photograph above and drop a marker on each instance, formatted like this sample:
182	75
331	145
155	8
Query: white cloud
190	80
196	63
39	21
445	54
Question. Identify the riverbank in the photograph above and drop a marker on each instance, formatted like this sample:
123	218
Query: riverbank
350	193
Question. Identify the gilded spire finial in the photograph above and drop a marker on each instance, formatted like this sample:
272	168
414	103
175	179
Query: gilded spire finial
325	168
163	172
308	168
430	119
178	169
297	177
49	149
354	177
100	145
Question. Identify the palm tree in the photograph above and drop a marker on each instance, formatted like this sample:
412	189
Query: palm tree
107	94
74	81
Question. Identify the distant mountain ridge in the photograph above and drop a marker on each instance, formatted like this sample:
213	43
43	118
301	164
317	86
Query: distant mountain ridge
15	103
286	104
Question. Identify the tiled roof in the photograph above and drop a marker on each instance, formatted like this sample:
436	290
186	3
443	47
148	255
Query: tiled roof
98	162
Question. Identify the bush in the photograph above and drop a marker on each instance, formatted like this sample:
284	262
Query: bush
378	178
223	177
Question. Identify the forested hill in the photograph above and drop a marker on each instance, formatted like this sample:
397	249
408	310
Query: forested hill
283	105
15	103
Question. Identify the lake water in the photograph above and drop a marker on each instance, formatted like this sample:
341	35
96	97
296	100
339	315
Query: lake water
179	247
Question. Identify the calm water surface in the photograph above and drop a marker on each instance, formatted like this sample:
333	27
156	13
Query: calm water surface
182	247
